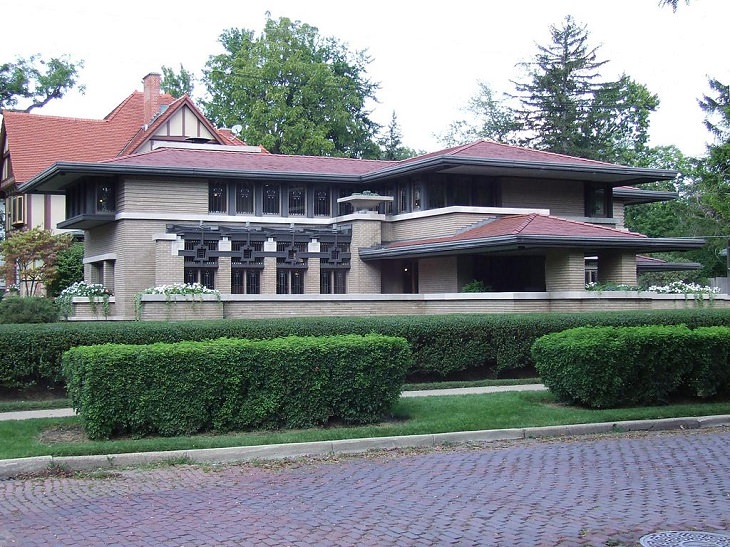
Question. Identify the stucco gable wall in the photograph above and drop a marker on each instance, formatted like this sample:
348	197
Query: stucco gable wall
183	123
562	198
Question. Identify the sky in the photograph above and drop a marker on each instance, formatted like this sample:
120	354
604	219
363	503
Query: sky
427	57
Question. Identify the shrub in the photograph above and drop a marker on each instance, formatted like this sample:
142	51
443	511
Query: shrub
441	344
29	309
603	367
233	384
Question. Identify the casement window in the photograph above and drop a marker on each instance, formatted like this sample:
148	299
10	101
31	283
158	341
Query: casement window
344	208
334	266
271	199
204	276
245	281
105	199
333	282
217	197
246	267
201	262
321	201
598	200
16	210
244	198
289	281
297	201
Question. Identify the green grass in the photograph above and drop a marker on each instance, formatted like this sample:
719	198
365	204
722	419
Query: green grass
46	404
472	383
410	416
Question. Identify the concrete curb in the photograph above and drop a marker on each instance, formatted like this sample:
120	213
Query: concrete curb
20	466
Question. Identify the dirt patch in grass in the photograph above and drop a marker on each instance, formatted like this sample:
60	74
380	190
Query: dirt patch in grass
63	434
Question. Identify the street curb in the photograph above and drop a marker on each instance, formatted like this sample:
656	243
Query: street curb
20	466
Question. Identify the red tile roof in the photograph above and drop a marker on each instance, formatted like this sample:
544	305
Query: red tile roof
37	141
489	149
251	161
526	225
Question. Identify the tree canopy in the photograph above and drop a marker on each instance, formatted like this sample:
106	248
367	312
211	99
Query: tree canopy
564	105
292	91
177	84
33	82
30	258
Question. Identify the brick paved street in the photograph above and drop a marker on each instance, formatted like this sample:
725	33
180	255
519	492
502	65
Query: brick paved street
579	491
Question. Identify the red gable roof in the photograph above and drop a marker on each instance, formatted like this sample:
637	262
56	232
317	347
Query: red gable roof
527	225
37	141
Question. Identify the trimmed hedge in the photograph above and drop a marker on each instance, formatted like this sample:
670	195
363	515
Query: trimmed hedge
233	385
441	344
605	367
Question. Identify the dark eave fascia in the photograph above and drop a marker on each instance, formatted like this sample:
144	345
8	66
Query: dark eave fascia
636	175
60	169
626	175
638	195
519	242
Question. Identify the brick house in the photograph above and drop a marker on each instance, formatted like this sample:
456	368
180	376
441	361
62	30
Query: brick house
179	201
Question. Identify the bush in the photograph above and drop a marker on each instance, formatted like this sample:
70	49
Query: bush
605	367
28	309
442	345
229	384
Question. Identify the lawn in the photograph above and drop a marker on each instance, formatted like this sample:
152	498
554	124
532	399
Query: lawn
410	416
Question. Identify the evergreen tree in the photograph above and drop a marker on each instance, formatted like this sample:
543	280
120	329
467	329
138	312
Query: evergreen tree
557	98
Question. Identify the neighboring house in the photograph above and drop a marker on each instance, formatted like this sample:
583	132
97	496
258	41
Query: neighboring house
299	235
33	142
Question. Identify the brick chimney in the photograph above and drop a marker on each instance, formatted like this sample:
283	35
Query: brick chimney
151	95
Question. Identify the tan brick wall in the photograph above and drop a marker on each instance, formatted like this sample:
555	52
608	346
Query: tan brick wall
169	266
268	275
137	195
564	271
437	275
617	267
430	226
134	269
364	277
311	275
307	305
563	198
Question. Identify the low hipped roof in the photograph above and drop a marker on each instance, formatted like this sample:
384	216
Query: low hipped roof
522	232
485	158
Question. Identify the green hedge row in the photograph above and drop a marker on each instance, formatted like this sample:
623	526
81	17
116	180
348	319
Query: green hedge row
441	344
605	367
232	385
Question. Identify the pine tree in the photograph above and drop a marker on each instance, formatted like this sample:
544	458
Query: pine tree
557	98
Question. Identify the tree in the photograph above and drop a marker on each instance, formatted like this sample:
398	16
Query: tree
69	268
392	143
490	119
177	84
566	108
713	181
30	258
292	91
616	124
560	88
672	3
37	81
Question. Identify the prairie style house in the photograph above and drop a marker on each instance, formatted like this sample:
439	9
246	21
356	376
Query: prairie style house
181	201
